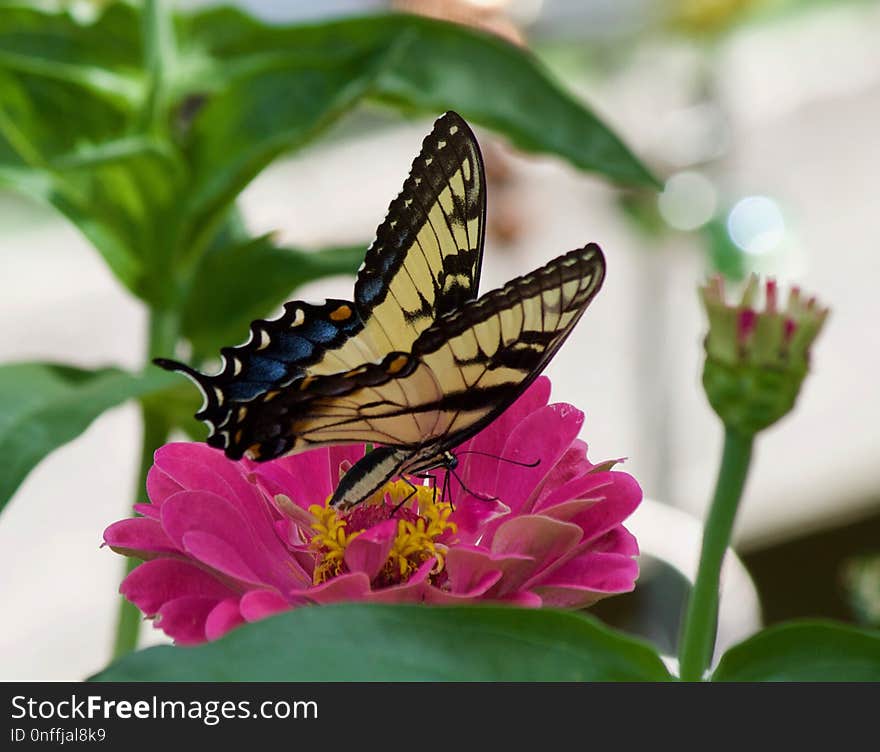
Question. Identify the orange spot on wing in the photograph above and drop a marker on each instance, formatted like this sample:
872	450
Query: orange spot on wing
397	364
341	314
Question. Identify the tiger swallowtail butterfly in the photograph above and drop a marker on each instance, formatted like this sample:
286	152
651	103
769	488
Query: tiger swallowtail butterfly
416	363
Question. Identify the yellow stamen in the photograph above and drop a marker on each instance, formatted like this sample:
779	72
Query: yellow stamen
414	543
330	541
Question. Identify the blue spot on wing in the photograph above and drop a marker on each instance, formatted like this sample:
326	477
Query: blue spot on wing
320	331
389	259
370	287
242	391
290	348
265	370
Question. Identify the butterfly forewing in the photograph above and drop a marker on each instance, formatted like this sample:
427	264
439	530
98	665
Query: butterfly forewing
424	262
426	259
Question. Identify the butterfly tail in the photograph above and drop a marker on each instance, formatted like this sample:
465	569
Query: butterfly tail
202	381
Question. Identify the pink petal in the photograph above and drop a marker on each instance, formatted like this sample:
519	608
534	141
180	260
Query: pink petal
479	472
414	590
275	479
304	477
148	510
544	436
472	515
542	539
588	486
586	578
523	598
619	540
368	552
467	567
223	617
219	555
622	495
184	619
293	513
339	453
568	510
258	604
345	587
217	530
569	598
155	582
160	486
140	537
478	591
197	467
572	464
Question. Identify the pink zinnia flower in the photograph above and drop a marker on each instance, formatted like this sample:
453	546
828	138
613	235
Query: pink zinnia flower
231	542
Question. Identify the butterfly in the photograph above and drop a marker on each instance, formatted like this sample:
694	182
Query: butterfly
416	363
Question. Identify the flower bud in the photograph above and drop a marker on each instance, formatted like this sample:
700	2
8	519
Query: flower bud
757	359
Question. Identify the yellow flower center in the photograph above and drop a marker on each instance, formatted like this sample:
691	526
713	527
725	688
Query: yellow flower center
421	521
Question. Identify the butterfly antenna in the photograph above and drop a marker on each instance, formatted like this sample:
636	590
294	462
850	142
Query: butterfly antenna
500	458
467	490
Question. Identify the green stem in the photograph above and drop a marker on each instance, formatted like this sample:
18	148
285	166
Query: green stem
698	637
157	33
163	336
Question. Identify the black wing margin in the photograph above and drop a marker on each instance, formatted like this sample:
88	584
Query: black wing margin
278	353
426	259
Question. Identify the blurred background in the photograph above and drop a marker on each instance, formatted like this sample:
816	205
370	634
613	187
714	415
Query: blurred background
762	120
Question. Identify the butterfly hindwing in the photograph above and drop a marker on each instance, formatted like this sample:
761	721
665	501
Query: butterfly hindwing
487	353
480	359
278	353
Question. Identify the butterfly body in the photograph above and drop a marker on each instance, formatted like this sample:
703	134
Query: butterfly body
416	362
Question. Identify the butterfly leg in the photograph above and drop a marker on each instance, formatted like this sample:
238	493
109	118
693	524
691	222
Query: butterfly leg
415	490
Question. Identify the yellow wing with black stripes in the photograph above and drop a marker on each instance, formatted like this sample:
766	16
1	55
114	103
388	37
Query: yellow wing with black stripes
424	263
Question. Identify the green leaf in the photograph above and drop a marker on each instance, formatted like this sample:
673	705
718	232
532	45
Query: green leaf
371	642
70	93
121	192
45	405
102	57
502	87
241	130
238	283
804	651
437	66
